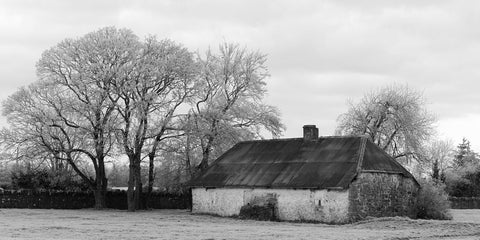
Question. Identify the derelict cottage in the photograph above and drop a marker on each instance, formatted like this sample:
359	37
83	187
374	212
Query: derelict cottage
325	179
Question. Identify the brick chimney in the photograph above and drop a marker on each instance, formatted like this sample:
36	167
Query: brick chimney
310	132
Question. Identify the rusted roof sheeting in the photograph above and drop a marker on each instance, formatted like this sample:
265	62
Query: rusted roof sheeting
375	159
329	162
291	163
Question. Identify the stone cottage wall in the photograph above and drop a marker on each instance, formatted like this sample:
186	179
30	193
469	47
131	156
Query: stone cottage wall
291	204
223	202
382	195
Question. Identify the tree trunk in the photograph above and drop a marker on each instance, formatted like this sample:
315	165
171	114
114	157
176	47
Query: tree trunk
131	187
151	165
151	177
188	162
102	178
205	156
100	197
435	170
100	190
138	185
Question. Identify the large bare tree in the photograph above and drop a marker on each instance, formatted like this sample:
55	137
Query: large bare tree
159	83
108	89
393	117
228	104
72	110
38	132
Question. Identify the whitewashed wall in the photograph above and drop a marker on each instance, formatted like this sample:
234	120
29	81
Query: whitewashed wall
300	204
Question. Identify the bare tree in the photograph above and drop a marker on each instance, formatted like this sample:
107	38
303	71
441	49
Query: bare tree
71	110
228	103
38	133
394	118
437	157
108	89
158	84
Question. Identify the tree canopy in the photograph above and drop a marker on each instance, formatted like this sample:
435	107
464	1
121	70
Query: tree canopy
228	104
68	112
393	117
107	94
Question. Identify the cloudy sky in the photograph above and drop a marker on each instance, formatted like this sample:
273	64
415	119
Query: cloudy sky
321	53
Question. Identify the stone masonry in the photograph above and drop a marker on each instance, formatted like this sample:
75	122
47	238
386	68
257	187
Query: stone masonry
382	195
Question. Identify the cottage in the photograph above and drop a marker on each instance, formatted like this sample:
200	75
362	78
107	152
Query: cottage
328	179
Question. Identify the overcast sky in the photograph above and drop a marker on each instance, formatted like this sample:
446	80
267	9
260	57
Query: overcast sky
320	53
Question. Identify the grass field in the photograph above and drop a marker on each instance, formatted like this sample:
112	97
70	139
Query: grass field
180	224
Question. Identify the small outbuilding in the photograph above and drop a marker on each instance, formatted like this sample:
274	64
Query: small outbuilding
328	179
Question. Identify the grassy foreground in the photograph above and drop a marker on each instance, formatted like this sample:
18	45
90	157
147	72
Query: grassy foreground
180	224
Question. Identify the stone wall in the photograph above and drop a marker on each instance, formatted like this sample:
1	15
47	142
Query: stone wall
76	200
382	195
46	199
329	206
158	200
465	202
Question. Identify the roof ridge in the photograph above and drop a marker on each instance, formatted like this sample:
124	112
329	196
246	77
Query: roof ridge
289	139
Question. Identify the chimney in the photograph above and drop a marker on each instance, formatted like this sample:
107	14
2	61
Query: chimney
310	132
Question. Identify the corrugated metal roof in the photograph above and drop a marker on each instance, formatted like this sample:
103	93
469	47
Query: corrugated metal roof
375	159
329	162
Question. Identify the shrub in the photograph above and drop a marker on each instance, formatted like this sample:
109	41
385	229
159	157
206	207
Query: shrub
465	185
432	201
29	179
44	179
